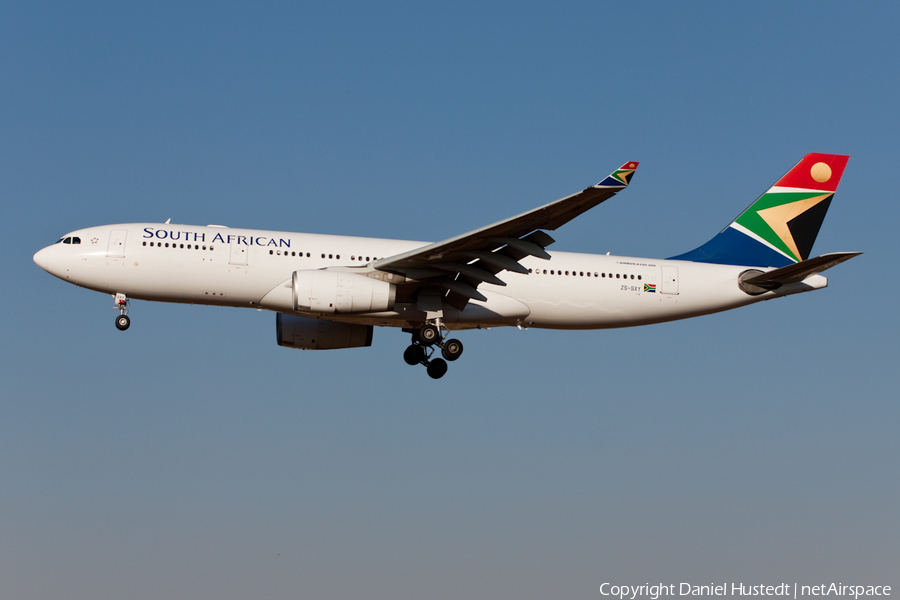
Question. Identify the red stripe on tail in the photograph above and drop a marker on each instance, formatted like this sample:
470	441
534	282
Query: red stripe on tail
816	172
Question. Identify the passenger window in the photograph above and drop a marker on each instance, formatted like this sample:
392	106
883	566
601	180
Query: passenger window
323	256
338	256
632	276
145	243
181	246
367	259
581	273
271	252
204	247
639	277
617	275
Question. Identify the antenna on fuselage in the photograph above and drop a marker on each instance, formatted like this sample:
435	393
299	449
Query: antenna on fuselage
167	220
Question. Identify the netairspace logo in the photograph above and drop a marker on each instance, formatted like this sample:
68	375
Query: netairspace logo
787	590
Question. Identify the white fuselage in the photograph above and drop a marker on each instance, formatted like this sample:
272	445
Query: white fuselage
250	268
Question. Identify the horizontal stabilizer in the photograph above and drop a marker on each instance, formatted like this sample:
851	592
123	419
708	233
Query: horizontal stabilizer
799	271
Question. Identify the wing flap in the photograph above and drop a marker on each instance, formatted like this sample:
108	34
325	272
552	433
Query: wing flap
471	272
526	247
463	289
499	261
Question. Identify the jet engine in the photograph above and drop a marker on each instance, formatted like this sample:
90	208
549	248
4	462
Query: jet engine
318	334
330	292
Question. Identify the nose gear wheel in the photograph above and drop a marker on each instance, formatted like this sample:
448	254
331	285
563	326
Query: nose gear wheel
122	321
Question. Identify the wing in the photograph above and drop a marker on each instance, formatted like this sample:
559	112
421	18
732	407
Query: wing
460	264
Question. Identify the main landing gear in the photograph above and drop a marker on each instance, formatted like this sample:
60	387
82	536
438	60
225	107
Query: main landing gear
122	321
423	345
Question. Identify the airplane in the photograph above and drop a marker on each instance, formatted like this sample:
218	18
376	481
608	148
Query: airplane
330	291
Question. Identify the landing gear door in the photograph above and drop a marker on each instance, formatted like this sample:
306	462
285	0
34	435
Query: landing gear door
116	247
670	280
238	252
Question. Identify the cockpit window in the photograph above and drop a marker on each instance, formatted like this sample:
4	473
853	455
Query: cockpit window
68	240
59	241
76	240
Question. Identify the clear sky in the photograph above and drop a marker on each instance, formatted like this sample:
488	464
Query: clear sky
192	457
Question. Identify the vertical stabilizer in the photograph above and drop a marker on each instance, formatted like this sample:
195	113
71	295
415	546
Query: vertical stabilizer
780	228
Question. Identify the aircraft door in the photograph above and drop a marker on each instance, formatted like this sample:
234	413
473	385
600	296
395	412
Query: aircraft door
116	248
238	252
670	280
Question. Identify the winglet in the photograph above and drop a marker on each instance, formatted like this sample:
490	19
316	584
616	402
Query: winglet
621	177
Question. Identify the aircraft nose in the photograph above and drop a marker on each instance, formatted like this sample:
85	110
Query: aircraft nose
44	259
40	257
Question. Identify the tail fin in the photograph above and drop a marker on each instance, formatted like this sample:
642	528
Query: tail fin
780	228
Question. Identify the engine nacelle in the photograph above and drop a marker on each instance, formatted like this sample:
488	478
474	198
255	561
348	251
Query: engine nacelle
330	292
318	334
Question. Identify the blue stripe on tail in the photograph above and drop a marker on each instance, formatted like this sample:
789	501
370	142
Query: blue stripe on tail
732	247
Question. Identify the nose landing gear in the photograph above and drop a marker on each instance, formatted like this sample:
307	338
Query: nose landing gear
423	345
122	321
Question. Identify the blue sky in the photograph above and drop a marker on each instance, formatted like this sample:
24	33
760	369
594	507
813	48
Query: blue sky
194	458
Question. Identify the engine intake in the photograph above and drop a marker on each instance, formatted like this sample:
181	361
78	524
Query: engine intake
330	292
306	333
